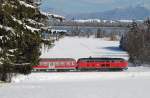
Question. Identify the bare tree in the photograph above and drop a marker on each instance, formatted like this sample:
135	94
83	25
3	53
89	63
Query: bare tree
113	36
99	33
137	42
88	32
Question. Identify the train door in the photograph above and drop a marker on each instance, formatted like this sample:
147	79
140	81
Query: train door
51	65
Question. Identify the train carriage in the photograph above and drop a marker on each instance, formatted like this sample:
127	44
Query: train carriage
55	64
82	64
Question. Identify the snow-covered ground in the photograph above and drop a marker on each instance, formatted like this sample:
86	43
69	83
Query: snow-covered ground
75	47
132	83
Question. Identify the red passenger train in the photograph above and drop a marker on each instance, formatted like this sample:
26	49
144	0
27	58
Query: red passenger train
82	64
56	64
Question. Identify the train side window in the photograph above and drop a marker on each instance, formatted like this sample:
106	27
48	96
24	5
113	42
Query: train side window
62	63
43	63
112	61
50	64
57	63
68	63
54	64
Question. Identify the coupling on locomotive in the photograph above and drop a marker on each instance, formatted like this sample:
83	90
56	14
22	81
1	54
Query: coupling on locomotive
82	64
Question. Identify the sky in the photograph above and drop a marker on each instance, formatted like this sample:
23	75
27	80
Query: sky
87	6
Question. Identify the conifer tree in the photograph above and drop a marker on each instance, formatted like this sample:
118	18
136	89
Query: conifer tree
20	36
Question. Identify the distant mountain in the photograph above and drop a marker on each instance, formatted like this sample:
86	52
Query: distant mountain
129	13
53	11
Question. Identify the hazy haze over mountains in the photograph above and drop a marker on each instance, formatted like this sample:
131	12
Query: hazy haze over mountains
129	13
101	9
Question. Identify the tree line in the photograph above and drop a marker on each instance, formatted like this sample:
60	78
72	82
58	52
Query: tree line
137	42
92	23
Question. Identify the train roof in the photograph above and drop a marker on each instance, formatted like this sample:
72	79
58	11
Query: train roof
101	59
64	59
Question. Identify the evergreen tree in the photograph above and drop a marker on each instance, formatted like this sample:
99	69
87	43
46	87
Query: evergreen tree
20	36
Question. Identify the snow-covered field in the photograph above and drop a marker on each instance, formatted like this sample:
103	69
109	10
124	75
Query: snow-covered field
75	47
133	83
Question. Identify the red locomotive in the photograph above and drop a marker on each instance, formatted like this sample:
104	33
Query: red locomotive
101	63
67	64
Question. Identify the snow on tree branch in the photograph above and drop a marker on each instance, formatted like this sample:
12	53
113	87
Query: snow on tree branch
28	27
31	28
7	28
52	15
16	20
26	5
34	22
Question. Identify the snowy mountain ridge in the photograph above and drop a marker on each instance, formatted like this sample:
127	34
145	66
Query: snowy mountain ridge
106	21
132	12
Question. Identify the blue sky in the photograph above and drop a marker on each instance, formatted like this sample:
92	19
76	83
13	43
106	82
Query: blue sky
85	6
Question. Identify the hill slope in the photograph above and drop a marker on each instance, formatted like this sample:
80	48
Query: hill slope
129	13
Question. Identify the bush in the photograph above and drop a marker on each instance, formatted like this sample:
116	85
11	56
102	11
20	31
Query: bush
23	69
